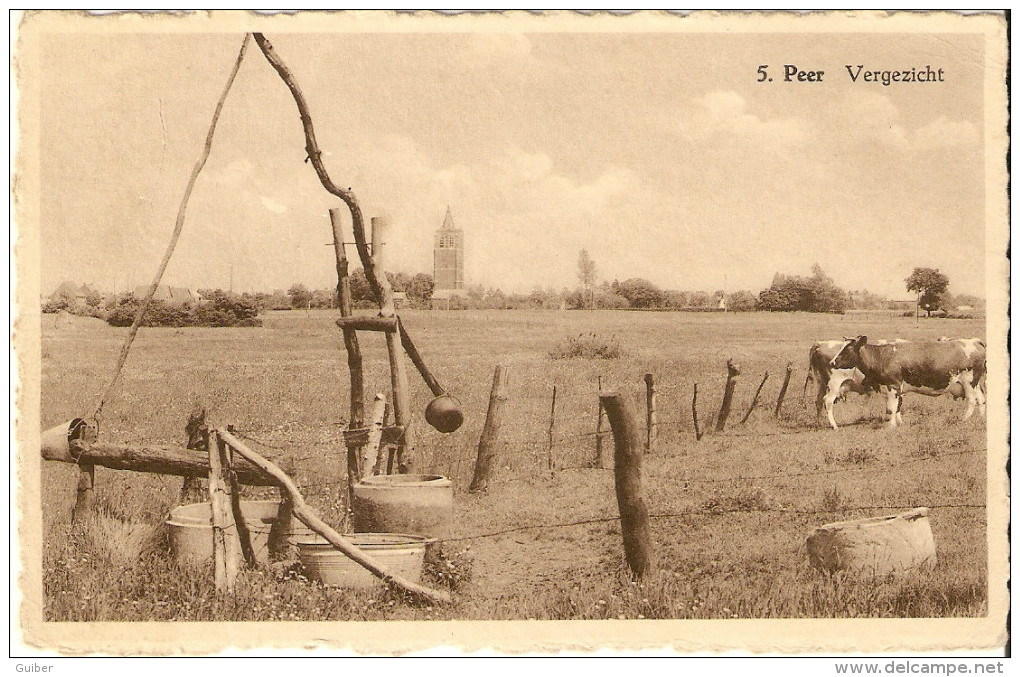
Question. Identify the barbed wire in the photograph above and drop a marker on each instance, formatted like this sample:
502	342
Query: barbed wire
708	511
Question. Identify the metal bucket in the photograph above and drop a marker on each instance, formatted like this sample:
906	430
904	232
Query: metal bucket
404	504
55	443
191	529
400	554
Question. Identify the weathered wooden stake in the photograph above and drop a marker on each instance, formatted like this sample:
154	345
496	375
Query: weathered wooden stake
754	401
280	529
552	428
486	463
732	372
694	410
627	473
782	390
354	361
599	430
651	415
243	535
371	461
191	488
85	495
224	530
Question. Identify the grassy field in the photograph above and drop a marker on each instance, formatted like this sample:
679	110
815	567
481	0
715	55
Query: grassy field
730	512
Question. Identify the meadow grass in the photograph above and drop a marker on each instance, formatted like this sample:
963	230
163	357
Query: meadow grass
731	512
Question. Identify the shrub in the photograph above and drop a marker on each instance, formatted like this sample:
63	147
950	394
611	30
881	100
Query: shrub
587	346
220	309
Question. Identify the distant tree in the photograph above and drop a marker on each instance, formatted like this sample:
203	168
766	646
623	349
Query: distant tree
930	285
641	293
322	298
586	272
299	295
361	293
817	294
674	300
420	287
741	301
699	299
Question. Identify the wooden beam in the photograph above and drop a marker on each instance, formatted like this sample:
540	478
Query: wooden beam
159	459
368	323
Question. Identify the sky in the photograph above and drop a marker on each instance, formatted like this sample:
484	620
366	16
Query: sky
659	153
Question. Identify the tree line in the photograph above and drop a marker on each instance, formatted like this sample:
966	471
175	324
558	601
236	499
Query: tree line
814	293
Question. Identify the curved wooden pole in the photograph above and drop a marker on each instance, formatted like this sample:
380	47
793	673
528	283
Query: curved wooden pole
312	521
315	157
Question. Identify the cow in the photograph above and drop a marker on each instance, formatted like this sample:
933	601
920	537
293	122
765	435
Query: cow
926	367
833	384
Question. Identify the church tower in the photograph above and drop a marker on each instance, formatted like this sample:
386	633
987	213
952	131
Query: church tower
448	255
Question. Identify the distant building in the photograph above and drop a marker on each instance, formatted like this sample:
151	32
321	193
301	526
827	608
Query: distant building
448	256
168	294
70	292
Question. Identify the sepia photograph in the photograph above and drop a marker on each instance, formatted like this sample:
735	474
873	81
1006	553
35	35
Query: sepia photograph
511	332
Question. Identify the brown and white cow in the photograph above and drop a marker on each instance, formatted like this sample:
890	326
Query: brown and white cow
926	367
833	384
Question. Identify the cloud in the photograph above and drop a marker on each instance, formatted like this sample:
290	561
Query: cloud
272	205
722	116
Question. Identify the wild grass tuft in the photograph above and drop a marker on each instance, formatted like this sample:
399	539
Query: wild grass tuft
589	347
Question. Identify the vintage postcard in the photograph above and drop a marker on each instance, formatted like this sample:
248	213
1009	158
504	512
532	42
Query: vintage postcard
380	332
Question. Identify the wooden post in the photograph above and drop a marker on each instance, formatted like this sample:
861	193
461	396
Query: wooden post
85	495
224	531
371	462
651	415
243	535
782	390
694	410
627	472
599	431
754	401
486	463
280	529
552	427
395	351
354	361
732	372
191	488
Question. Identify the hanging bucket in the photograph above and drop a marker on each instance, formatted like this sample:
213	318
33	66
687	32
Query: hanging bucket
191	529
404	504
877	546
55	443
401	554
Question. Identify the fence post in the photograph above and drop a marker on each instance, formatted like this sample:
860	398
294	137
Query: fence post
782	390
754	401
651	416
85	495
552	427
694	411
486	463
599	431
732	372
224	533
627	473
